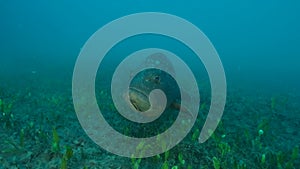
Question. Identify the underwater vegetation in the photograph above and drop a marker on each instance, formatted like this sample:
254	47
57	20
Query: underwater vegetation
39	129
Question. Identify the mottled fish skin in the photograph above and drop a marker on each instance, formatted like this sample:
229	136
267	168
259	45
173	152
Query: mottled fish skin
144	82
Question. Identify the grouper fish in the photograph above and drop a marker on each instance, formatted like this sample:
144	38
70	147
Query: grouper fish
148	80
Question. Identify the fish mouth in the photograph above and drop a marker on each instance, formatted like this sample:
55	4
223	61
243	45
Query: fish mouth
139	99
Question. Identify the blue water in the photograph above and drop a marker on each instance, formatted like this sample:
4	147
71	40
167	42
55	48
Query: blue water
257	41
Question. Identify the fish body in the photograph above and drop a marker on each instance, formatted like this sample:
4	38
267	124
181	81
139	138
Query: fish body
150	79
